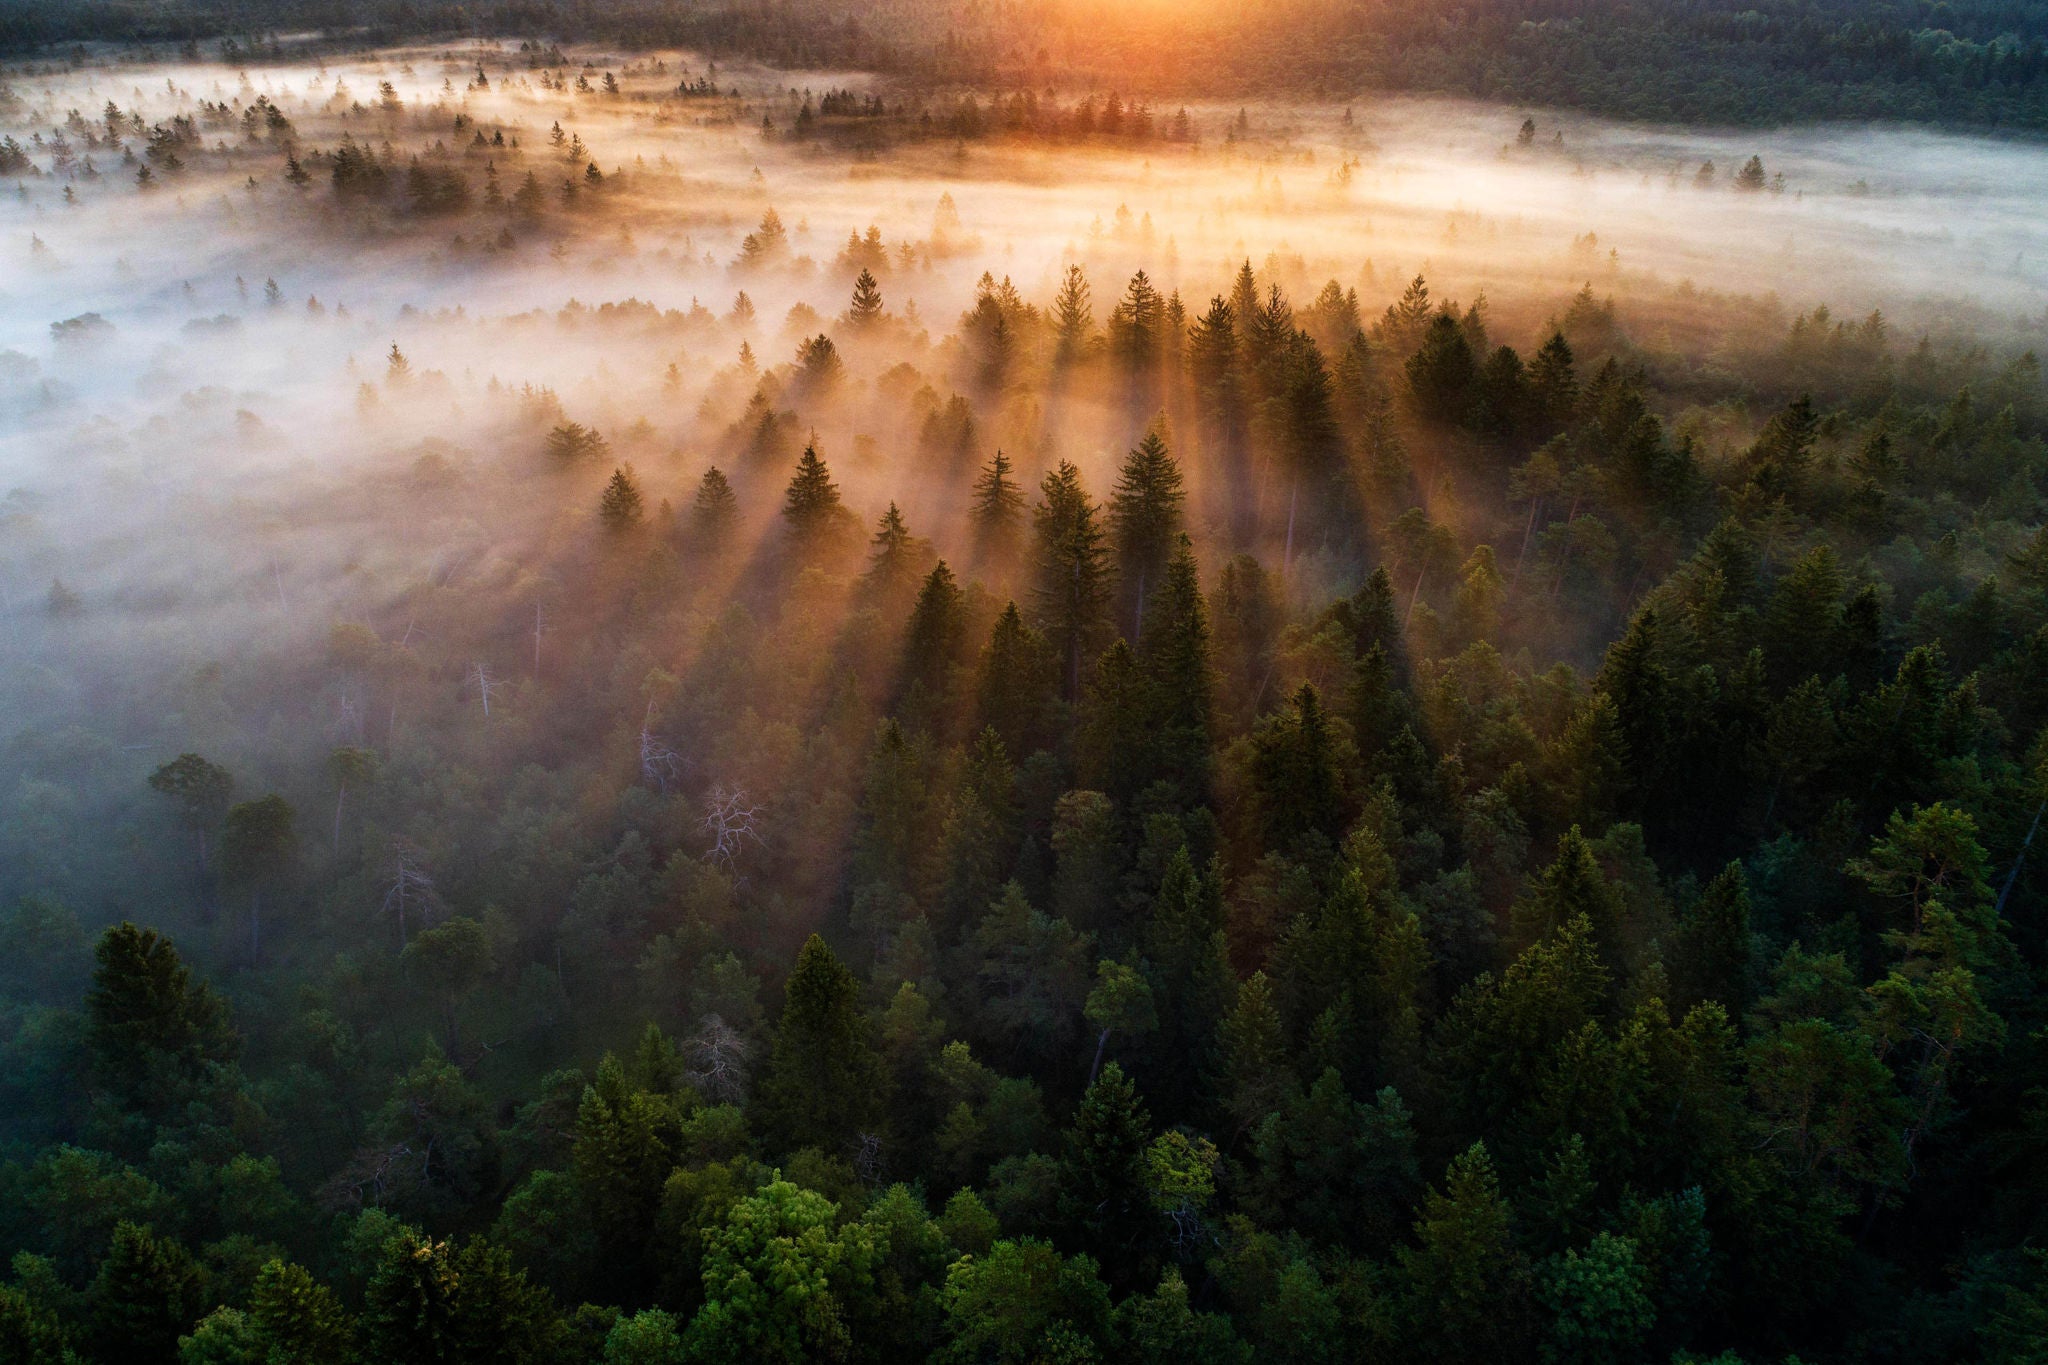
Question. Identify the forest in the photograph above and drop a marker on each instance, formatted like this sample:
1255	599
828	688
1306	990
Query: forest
1965	63
655	710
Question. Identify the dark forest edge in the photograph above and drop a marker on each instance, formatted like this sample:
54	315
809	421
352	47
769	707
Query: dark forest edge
1962	63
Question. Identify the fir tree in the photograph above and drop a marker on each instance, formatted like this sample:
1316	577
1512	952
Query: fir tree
621	507
714	511
811	503
821	1085
937	625
998	512
1018	684
1070	590
866	308
1073	318
1145	524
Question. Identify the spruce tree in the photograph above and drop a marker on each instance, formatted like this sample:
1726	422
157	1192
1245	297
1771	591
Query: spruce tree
1464	1285
1018	687
1552	384
1190	975
866	308
620	508
822	1083
893	558
1145	525
714	511
153	1034
1102	1192
1070	591
1297	773
1253	1071
146	1295
1073	318
998	513
1175	656
1714	951
931	646
811	503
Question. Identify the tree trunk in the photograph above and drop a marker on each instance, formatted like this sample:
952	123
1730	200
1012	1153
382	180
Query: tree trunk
1101	1042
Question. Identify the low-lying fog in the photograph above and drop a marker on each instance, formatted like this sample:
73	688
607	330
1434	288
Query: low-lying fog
205	437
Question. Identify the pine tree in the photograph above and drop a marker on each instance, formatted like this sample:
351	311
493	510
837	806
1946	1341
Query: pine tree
1442	373
1019	685
1253	1072
822	1082
1297	773
1465	1286
998	512
1145	524
1135	325
811	503
714	511
301	1321
866	308
153	1033
621	507
1552	384
1181	679
1714	951
145	1296
937	624
201	791
1102	1193
1073	318
1069	591
258	843
1190	974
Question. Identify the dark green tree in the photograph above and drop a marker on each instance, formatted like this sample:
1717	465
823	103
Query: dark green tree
822	1081
1145	526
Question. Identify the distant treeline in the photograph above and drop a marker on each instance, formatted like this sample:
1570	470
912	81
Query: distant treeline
1975	63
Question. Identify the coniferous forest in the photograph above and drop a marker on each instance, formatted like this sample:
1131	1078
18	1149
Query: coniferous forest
659	709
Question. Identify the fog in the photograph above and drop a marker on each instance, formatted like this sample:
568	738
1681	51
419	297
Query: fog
218	473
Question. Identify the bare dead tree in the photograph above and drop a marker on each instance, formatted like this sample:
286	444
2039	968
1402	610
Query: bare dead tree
717	1061
539	626
410	888
659	764
729	818
486	686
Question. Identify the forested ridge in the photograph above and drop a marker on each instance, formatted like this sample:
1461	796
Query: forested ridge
1196	978
1241	818
1974	63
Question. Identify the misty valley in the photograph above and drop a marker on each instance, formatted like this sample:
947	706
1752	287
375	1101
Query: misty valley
656	708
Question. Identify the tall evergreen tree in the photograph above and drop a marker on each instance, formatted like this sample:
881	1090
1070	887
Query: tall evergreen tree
714	511
998	513
1070	589
1019	684
1465	1284
154	1035
822	1082
937	625
811	504
1176	659
1073	318
1145	525
866	307
621	508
